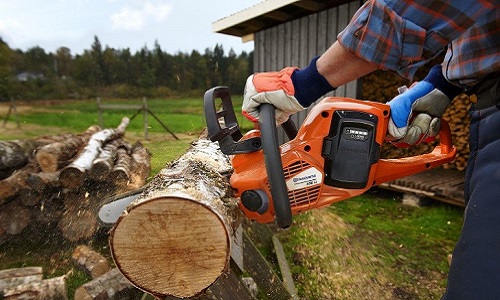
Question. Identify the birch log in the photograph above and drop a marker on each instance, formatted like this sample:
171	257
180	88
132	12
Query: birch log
73	175
54	156
174	240
11	278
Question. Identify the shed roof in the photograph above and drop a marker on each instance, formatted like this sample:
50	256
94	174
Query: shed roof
267	14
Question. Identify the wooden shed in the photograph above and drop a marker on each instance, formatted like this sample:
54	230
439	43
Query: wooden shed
291	33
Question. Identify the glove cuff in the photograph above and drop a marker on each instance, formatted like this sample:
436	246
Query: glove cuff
309	84
436	78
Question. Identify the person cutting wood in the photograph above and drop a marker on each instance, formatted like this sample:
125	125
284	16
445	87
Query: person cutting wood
402	36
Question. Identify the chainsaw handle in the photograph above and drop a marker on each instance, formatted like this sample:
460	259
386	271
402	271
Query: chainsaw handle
392	169
274	166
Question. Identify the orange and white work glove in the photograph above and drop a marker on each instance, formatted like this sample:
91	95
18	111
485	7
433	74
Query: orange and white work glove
416	113
290	90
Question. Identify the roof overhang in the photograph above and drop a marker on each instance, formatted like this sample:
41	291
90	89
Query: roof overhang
267	14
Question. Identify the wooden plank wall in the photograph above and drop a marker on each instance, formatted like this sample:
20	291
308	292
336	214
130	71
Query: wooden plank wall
296	42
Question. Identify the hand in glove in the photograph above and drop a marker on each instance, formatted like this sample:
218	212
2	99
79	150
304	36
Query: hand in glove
289	90
416	113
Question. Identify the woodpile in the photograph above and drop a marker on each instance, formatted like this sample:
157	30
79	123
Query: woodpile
107	283
382	86
63	180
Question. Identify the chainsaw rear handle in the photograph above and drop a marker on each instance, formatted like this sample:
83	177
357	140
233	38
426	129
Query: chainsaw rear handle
274	166
392	169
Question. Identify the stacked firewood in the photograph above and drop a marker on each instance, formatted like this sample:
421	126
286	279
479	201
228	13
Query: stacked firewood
382	87
63	180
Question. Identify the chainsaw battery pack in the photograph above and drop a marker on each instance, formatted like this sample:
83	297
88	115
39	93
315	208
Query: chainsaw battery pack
350	149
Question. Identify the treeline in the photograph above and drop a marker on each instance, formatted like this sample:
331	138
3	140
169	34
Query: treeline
108	72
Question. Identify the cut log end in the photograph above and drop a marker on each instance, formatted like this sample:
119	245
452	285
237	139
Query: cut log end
181	249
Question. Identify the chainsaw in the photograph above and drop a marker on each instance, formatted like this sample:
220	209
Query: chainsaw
333	156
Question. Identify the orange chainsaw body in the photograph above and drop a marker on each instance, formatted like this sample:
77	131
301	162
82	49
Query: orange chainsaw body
309	159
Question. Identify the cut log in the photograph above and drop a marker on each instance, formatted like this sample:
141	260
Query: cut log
55	156
111	285
42	180
121	170
93	263
53	288
174	239
103	164
141	164
11	185
11	278
73	175
16	153
14	218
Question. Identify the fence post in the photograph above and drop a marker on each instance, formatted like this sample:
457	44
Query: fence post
145	112
99	109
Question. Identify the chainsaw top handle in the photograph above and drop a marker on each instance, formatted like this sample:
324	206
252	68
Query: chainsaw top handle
274	166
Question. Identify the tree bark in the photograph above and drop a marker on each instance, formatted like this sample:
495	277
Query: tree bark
53	288
93	263
11	185
16	153
54	156
179	229
121	170
73	175
141	164
10	278
43	180
111	285
103	164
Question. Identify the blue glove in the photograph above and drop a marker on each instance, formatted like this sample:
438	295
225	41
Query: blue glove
416	113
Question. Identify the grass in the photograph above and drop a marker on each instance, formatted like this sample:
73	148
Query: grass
369	247
372	247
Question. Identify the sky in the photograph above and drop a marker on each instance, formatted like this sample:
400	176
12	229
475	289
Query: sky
177	25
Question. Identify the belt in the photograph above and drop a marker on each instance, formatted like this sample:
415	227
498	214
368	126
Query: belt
486	93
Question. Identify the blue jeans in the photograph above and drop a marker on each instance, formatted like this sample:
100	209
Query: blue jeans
475	267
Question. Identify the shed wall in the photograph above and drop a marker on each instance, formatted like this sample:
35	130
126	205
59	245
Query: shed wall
294	43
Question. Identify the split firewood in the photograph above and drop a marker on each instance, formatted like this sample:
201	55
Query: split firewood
73	175
180	227
53	288
111	285
54	156
93	263
11	278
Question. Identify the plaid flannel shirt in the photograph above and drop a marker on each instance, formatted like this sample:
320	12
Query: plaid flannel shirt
402	35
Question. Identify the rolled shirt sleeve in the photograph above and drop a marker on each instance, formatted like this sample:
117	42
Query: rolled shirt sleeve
402	35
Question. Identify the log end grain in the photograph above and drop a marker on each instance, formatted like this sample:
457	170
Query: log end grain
182	248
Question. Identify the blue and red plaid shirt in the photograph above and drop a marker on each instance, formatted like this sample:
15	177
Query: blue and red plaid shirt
402	35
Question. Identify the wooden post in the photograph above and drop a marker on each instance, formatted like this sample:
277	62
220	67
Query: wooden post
174	239
12	108
145	114
99	110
